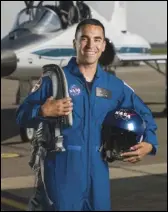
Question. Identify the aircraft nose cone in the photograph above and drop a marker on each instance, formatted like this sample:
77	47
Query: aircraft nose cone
8	62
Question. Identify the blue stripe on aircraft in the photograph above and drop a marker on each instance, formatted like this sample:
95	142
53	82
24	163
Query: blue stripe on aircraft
62	52
56	52
133	50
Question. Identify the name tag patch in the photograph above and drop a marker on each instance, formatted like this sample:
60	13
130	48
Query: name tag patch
101	92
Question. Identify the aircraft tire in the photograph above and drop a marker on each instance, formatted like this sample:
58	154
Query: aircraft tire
27	134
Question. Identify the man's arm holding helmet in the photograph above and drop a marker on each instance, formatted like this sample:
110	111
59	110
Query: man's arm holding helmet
149	144
40	104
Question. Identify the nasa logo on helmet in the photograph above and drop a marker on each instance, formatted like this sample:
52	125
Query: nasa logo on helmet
121	129
123	114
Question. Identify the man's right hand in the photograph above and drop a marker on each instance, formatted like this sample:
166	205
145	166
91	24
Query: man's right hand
55	108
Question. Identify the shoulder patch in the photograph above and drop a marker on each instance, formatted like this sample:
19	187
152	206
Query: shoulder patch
37	85
128	86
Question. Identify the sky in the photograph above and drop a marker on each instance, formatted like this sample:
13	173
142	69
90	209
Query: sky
145	18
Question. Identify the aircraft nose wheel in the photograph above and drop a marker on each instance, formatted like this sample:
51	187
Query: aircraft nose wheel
27	134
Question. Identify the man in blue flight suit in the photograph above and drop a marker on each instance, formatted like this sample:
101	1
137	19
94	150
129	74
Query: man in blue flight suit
78	179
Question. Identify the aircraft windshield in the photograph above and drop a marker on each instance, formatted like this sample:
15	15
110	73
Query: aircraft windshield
38	20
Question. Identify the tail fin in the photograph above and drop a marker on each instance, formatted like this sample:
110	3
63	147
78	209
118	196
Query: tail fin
118	19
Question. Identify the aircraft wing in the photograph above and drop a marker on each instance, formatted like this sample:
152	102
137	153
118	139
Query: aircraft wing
129	58
144	58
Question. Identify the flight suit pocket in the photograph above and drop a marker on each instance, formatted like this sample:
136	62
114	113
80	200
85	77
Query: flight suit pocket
69	167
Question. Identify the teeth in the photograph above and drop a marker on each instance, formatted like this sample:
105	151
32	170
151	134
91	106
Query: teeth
90	53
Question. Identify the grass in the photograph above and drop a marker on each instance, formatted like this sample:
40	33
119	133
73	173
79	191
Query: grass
159	50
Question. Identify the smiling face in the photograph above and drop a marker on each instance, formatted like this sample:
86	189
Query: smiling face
89	44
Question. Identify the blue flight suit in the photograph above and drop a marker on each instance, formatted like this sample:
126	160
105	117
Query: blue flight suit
78	179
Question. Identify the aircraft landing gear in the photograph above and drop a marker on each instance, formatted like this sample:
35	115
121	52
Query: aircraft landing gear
25	86
24	89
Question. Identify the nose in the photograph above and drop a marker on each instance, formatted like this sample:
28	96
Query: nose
90	43
8	62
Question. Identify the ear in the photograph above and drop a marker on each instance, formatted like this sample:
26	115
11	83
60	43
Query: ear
74	43
104	45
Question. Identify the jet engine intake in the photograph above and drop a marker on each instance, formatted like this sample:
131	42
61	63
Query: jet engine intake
8	62
108	55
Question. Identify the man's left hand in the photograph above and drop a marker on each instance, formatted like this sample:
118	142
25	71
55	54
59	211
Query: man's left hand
137	153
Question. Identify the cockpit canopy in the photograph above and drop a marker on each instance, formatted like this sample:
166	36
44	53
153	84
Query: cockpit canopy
49	18
39	20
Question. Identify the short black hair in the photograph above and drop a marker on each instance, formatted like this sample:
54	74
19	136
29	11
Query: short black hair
91	21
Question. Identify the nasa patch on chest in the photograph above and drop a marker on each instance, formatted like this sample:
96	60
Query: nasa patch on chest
75	90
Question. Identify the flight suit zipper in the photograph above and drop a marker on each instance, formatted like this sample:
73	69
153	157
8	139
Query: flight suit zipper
88	140
88	91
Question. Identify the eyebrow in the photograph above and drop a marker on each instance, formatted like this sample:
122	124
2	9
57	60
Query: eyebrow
97	37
